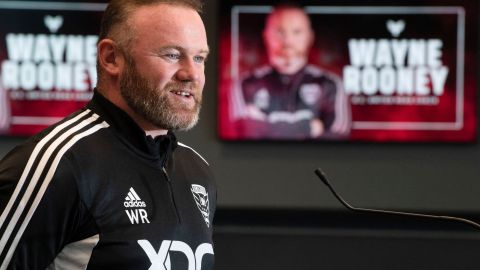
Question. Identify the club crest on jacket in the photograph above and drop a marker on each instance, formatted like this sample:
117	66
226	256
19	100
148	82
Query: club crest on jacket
200	196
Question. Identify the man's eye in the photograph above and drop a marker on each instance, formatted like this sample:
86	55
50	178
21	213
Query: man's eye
199	59
172	56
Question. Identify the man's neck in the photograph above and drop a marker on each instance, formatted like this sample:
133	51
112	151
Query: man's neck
288	67
117	99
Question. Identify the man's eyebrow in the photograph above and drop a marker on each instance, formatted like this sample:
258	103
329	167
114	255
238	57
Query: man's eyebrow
205	51
170	47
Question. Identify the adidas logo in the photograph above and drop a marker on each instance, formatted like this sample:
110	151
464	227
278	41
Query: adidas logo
133	200
136	216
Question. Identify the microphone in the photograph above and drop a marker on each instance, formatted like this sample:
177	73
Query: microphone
324	179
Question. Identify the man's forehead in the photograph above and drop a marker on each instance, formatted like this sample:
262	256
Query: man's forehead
290	14
161	12
170	24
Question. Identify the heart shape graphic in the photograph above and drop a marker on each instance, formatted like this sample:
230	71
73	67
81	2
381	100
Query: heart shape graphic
395	27
53	23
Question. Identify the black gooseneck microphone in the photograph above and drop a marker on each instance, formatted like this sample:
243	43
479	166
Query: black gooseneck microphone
324	179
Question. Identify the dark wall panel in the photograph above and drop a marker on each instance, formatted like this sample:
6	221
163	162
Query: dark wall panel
270	248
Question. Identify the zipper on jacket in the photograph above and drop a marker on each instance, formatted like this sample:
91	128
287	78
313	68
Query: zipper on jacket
172	196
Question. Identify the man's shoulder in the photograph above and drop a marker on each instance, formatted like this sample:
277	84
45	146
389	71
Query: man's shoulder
320	73
258	78
187	150
195	165
257	74
46	151
78	124
323	77
65	135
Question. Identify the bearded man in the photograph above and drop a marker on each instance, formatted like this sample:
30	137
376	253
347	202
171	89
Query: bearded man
290	98
109	187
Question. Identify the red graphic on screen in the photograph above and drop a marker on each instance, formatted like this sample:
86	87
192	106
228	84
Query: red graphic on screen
47	64
407	74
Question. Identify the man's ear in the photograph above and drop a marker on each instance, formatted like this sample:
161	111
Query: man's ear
110	58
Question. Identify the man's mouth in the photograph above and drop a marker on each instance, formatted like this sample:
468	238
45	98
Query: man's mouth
183	93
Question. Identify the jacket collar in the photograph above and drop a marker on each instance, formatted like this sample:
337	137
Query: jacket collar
160	147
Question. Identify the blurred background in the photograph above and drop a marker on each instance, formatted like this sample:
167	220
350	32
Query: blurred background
274	213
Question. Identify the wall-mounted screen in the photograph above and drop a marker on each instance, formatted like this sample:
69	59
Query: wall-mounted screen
398	71
47	62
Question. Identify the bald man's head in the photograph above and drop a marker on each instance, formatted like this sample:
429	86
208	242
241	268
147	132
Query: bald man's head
288	37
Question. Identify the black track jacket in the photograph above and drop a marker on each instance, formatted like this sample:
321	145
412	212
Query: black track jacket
93	192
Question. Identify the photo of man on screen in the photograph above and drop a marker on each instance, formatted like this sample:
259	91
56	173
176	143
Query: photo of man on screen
290	98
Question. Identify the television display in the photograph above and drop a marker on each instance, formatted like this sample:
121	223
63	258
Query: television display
47	62
376	71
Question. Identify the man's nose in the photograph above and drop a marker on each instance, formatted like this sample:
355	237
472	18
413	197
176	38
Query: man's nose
288	40
189	71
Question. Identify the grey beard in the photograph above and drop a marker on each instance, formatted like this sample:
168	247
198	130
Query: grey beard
153	104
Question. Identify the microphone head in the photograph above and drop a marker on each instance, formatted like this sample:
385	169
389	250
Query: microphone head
322	176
